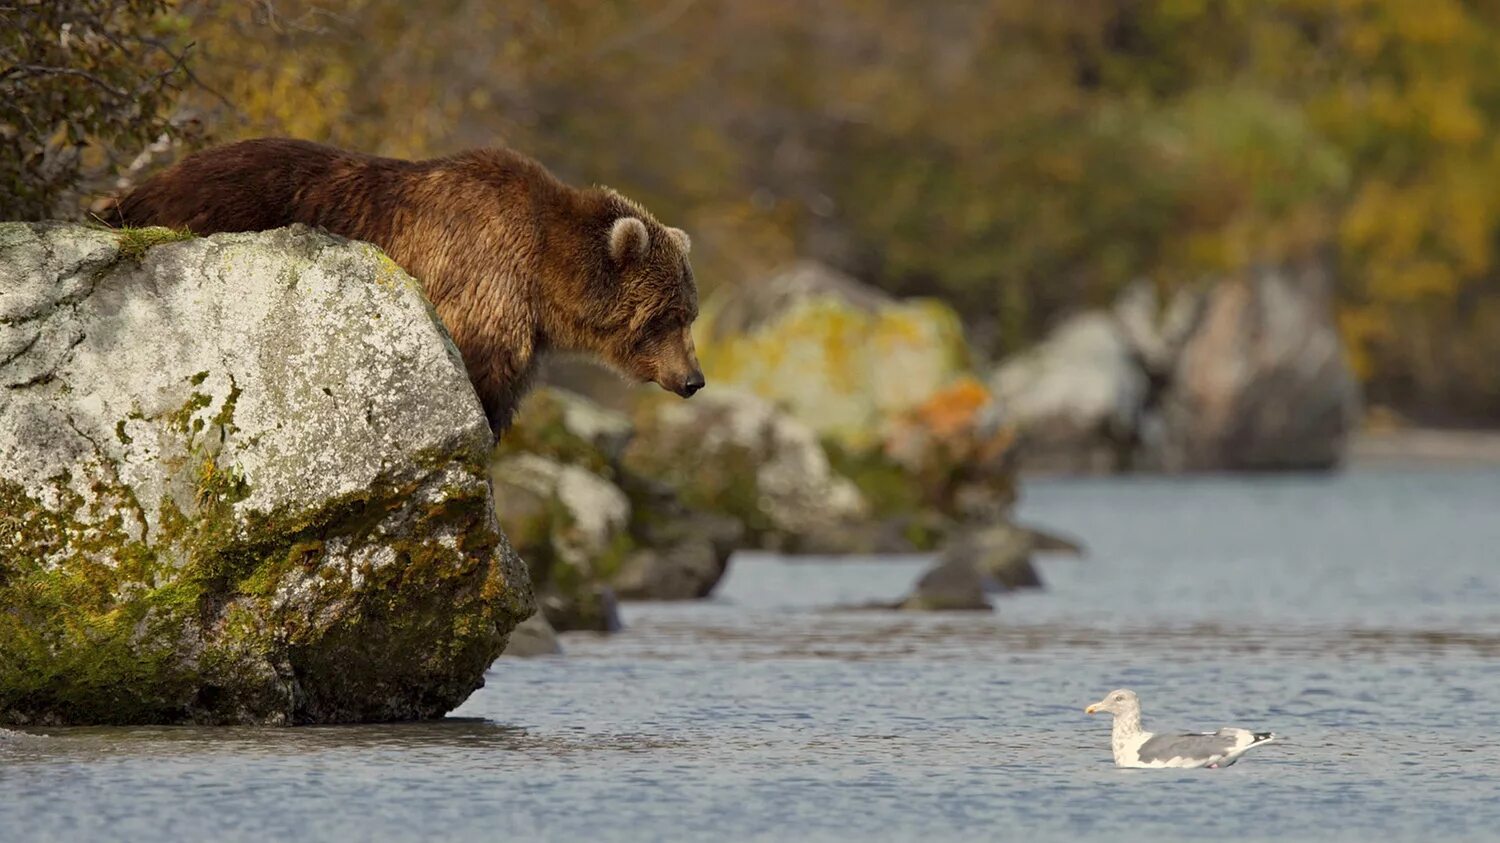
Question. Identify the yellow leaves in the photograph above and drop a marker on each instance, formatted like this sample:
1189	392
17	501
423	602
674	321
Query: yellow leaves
1366	40
1445	107
1467	222
1435	22
1384	220
1063	167
1426	240
1183	9
1410	282
1362	328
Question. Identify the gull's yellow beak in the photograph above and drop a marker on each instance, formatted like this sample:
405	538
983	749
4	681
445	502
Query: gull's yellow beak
1091	709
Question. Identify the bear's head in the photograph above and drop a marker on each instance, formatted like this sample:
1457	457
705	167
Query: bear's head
637	309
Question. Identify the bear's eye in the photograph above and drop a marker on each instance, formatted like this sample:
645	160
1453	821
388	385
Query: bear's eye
661	325
653	331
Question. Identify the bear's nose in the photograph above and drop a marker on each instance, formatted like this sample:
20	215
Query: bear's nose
693	383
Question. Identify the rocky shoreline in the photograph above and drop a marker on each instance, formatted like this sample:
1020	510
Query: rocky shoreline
1423	447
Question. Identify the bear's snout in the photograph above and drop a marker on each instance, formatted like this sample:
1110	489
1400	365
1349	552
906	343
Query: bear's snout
690	386
675	365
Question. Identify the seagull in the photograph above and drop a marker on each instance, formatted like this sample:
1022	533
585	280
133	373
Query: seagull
1135	747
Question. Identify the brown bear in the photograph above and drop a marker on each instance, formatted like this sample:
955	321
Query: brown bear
515	261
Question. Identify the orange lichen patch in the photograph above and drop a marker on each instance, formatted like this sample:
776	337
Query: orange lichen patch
953	411
944	448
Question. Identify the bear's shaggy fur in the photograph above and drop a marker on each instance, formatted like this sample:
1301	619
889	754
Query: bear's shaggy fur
515	261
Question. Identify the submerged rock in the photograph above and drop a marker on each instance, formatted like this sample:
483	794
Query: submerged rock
950	585
243	479
1004	553
533	637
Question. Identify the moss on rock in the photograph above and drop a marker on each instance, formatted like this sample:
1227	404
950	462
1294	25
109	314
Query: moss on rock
135	242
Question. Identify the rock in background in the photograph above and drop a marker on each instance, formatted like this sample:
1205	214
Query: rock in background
1262	382
243	479
887	387
1247	375
589	526
533	637
837	355
571	526
733	453
1077	399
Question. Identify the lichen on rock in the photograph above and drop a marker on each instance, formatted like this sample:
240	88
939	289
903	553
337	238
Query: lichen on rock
242	479
842	357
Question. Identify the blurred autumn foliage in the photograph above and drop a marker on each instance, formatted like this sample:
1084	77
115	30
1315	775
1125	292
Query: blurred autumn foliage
1019	158
85	87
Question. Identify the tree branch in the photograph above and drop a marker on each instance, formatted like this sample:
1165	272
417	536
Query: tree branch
23	71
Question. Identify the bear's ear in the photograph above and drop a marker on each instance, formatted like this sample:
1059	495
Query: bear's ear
628	240
681	238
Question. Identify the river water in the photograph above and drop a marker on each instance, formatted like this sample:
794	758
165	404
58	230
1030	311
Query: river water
1358	615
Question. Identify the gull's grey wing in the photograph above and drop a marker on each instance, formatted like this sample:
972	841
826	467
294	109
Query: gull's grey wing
1199	746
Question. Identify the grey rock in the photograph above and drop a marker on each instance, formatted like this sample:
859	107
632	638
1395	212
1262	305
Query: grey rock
243	480
533	637
572	528
732	453
590	607
683	557
589	514
1003	553
1262	382
951	585
1076	400
1248	374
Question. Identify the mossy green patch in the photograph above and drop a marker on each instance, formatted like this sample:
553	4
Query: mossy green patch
135	242
85	628
102	628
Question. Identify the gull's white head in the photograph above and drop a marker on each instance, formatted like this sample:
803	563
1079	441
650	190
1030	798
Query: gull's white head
1123	701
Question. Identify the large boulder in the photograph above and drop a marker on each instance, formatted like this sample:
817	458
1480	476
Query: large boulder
840	356
1262	382
242	480
885	387
729	452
